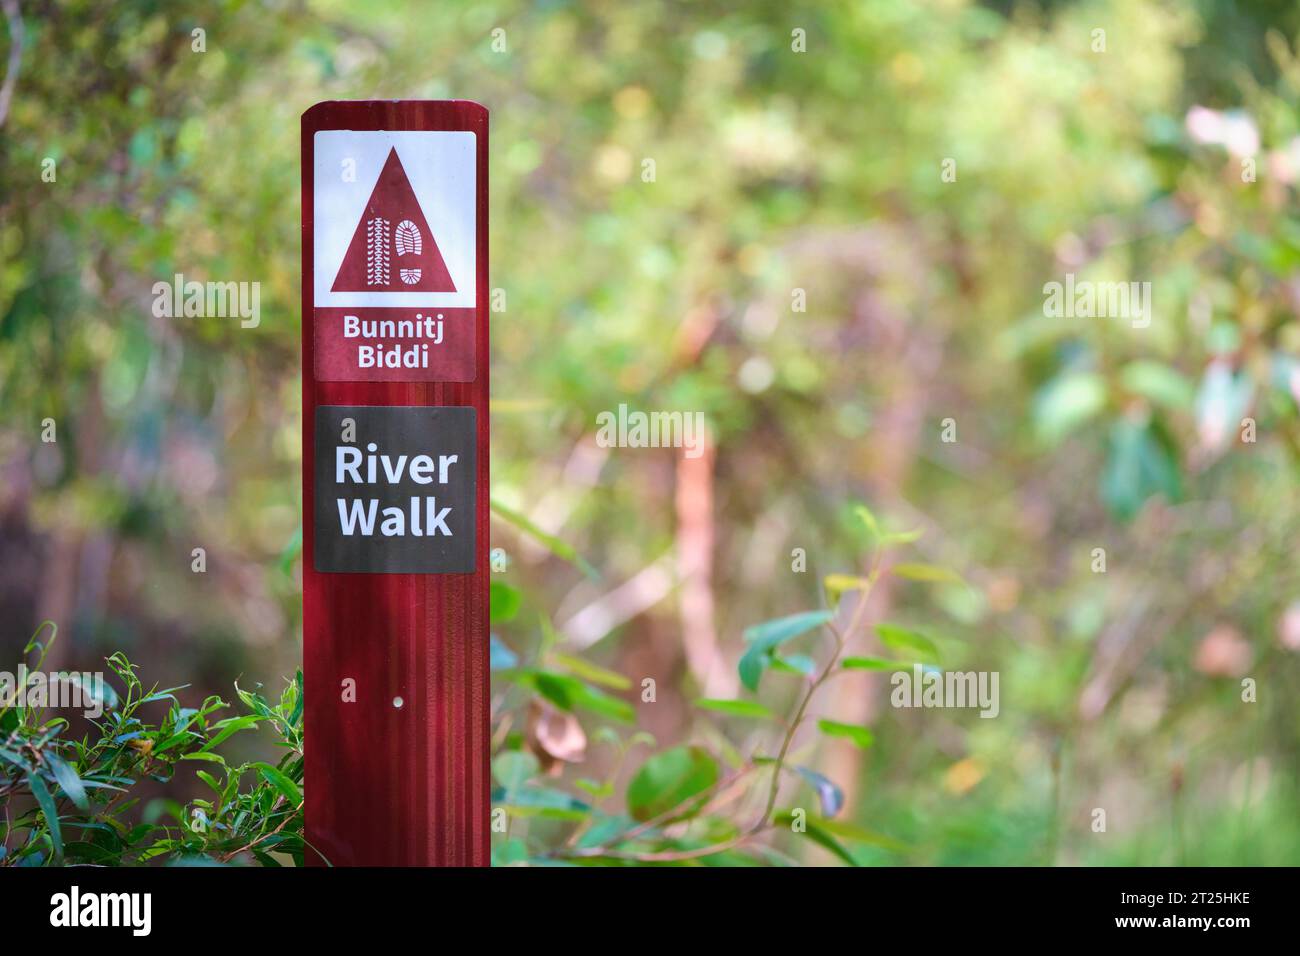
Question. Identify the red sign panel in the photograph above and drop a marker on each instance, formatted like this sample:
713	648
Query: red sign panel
394	345
395	482
395	266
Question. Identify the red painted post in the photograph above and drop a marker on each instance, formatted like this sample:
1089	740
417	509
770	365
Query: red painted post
395	482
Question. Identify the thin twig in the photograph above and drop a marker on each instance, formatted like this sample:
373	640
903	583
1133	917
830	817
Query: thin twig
841	640
233	853
762	823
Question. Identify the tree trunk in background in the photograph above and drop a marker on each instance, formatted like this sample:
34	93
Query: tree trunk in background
695	537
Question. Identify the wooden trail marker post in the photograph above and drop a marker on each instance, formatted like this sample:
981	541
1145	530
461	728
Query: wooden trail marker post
395	482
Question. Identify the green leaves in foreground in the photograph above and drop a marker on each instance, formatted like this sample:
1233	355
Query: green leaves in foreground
74	801
764	638
736	708
503	602
1066	403
673	783
870	664
568	693
68	780
877	535
281	782
904	639
550	542
1141	463
46	803
859	735
512	769
829	833
929	573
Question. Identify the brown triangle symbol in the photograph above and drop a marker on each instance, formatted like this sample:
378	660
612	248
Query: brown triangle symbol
392	249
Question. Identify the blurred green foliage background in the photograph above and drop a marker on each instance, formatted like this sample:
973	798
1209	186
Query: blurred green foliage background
1169	155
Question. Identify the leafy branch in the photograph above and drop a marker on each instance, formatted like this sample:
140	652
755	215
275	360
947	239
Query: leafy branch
71	801
676	800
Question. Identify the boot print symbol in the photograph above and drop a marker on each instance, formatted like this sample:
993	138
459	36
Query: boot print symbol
407	241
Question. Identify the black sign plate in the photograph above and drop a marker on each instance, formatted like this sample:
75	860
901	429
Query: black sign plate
395	489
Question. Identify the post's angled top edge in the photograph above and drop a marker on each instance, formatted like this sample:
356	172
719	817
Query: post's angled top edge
312	114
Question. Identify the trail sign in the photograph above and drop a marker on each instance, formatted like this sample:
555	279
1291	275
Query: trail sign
394	255
395	482
399	495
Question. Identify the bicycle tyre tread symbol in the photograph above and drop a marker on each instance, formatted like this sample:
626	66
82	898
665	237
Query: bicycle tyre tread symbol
377	255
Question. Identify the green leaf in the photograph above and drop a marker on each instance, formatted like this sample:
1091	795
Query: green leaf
510	852
672	782
1066	402
14	757
229	727
594	787
552	544
851	831
901	537
859	735
771	633
295	714
503	601
863	514
800	664
904	639
213	758
765	637
870	664
589	671
878	534
598	702
541	801
514	768
167	744
926	572
837	584
1140	464
97	691
168	694
46	803
1158	383
290	552
736	708
68	780
816	831
569	693
277	778
137	833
